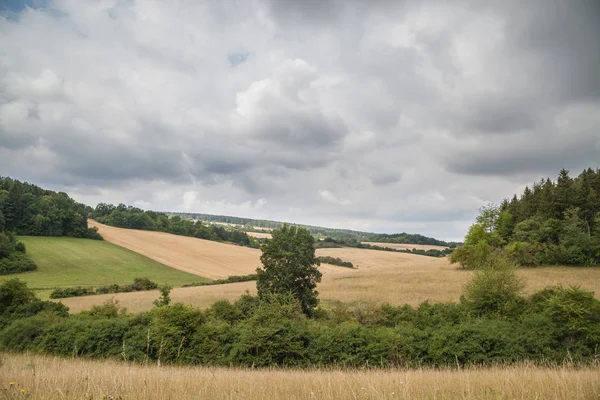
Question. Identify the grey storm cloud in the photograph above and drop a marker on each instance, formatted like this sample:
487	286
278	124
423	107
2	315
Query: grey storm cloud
383	115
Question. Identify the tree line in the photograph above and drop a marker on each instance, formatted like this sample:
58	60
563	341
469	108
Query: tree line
346	236
26	209
124	216
551	223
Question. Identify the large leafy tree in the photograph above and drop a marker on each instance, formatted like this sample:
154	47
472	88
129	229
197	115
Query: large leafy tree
290	266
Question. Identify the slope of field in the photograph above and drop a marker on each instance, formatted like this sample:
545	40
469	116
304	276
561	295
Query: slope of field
395	278
73	262
56	378
403	246
200	257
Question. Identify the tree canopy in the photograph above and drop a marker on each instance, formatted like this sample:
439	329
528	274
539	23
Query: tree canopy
290	266
552	223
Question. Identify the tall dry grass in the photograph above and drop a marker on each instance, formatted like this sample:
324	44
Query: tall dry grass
55	378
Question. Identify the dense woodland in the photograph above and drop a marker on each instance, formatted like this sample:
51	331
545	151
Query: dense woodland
123	216
26	209
341	236
551	223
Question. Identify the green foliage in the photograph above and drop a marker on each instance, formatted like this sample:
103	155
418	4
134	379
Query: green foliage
12	256
165	296
290	266
139	284
275	334
494	290
230	279
335	261
18	301
173	326
135	218
27	209
552	223
553	325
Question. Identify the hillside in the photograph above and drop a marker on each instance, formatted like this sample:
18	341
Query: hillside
66	262
200	257
343	235
395	278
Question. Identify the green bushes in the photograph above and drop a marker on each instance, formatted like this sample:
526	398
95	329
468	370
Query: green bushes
335	261
12	256
138	285
230	279
550	224
552	325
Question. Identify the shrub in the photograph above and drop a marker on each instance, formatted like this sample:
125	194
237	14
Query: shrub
335	261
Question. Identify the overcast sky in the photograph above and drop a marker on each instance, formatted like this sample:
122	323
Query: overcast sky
384	116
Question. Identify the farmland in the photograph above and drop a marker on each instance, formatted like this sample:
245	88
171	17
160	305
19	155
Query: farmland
200	257
51	378
380	276
72	262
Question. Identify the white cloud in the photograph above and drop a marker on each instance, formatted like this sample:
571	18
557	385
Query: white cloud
410	115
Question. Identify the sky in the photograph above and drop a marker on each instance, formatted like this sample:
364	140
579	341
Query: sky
383	116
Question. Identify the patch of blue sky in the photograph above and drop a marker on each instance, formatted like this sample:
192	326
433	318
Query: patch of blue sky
236	59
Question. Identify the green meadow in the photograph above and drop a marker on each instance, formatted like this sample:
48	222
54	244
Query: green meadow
65	261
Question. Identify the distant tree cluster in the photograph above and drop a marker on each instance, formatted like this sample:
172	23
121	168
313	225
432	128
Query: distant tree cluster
335	261
409	238
124	216
346	237
26	209
552	223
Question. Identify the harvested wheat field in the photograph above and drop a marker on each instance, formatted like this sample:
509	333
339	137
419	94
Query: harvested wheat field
54	378
200	257
402	246
379	276
259	235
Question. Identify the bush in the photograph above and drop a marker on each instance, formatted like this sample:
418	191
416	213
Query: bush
139	284
494	290
16	263
335	261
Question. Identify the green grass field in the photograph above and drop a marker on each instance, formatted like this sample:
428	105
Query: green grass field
66	262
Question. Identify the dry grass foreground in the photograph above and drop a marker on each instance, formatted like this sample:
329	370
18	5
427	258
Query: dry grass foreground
55	378
380	276
403	246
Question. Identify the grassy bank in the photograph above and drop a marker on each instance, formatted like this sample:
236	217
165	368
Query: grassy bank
66	262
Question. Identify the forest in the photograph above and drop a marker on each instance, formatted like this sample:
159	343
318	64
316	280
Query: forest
551	223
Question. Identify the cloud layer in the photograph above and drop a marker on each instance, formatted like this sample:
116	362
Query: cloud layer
399	116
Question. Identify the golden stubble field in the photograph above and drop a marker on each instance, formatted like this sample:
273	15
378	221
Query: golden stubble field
378	276
46	378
